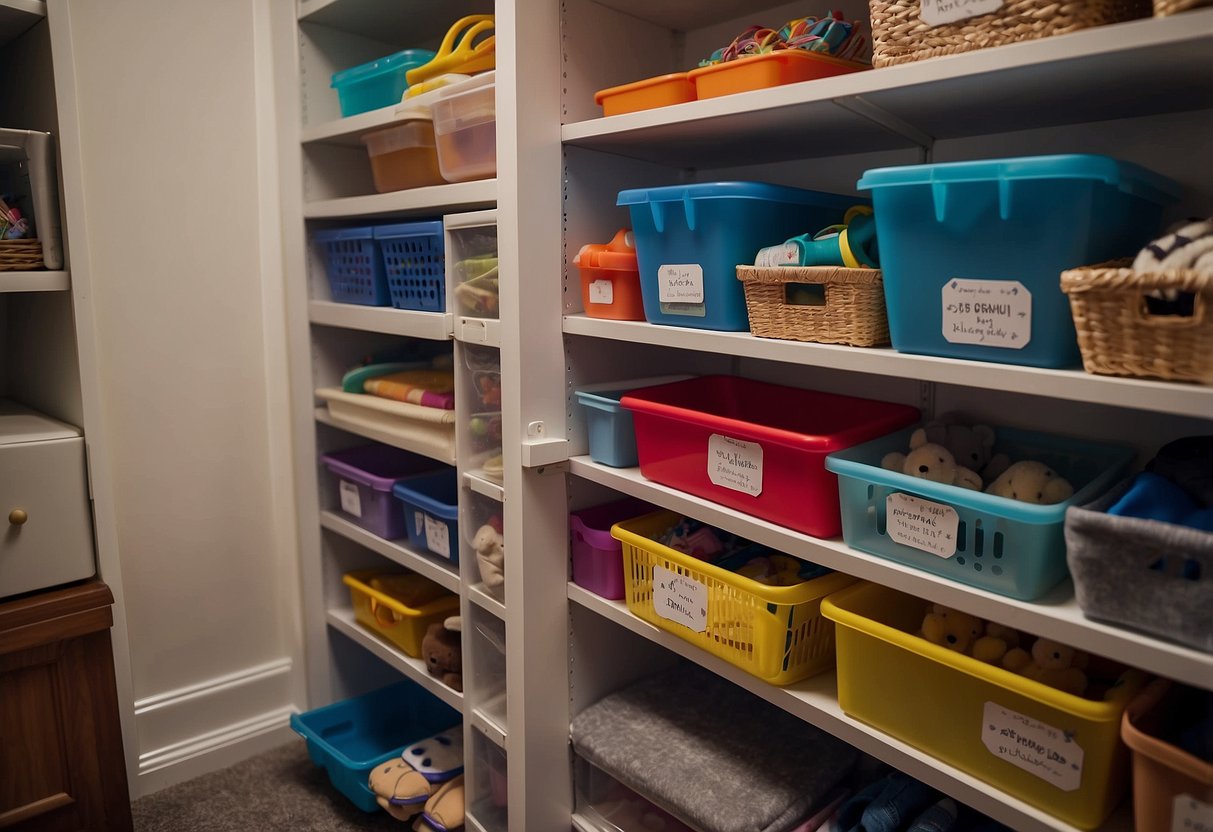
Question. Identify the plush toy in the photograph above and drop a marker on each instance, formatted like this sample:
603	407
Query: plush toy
443	653
951	628
992	646
971	445
403	786
444	811
1050	663
489	543
929	461
1031	482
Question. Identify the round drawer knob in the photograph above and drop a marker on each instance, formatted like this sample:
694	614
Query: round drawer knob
18	516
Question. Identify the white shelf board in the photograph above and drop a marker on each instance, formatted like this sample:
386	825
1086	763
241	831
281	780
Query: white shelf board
433	450
1074	385
342	620
434	199
430	567
435	326
1107	72
1056	615
479	596
349	131
583	824
815	700
486	724
410	23
18	16
34	281
480	485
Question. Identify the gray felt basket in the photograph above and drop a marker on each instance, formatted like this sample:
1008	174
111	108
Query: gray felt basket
1146	574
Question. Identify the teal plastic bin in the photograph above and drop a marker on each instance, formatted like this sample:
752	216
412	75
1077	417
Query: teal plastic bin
691	238
972	252
378	83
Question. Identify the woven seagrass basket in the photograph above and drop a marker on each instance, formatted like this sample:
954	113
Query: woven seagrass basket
899	35
1118	336
20	255
853	311
1162	8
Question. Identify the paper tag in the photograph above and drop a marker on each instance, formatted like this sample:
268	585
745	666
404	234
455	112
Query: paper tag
351	503
680	599
735	464
922	524
939	12
1191	815
1047	752
787	254
602	291
992	313
680	283
437	537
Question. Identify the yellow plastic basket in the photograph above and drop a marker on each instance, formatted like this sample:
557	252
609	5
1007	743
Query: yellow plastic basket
399	606
1058	752
774	632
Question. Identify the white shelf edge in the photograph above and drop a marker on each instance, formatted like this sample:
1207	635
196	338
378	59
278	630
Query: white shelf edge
428	449
402	555
815	700
1057	614
492	490
1073	385
481	598
349	130
582	824
430	200
432	326
472	824
487	725
36	8
59	281
342	620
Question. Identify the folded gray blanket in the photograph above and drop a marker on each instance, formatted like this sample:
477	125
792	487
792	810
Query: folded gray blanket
716	755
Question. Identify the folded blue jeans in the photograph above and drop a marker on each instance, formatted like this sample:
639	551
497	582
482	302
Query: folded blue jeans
888	805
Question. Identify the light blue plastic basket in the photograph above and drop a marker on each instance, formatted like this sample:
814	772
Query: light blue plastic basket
378	83
612	436
1002	545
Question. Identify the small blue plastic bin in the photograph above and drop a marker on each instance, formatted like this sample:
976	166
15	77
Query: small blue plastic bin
947	231
413	261
353	265
609	427
378	83
431	512
691	238
1006	546
350	738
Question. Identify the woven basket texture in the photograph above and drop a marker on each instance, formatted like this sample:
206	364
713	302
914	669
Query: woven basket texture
20	255
854	310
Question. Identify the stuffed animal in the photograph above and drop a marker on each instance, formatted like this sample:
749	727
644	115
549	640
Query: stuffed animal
442	652
971	445
929	461
1031	482
403	786
992	646
1050	663
951	628
489	543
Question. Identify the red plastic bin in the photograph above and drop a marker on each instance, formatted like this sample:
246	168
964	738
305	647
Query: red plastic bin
756	447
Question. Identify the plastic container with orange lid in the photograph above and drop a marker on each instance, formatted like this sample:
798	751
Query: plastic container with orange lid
756	72
610	279
659	91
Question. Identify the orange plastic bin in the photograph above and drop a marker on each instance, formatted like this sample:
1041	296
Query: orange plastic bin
610	279
756	72
660	91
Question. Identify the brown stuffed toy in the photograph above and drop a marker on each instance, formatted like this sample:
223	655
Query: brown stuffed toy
443	652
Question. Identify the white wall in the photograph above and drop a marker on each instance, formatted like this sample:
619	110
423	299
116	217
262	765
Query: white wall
180	190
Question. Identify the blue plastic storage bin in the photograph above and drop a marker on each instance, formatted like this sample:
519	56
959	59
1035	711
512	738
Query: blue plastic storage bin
431	512
609	427
691	238
353	265
972	252
1002	545
378	83
413	261
350	738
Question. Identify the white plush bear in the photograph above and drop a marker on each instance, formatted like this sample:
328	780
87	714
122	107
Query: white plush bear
1032	482
930	461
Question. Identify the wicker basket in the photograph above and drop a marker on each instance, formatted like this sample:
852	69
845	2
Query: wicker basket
20	255
1162	8
1118	336
853	312
900	36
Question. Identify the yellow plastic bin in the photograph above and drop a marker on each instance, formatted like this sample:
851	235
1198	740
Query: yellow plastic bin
1058	752
773	632
399	606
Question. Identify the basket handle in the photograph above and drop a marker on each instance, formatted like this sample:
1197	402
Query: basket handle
384	614
1197	318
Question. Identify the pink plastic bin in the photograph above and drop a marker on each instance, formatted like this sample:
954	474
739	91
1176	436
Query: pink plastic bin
756	447
363	478
598	557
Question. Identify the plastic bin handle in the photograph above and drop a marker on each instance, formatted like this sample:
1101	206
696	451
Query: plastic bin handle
462	57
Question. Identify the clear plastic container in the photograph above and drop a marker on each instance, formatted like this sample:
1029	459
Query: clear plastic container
403	156
377	83
465	127
473	263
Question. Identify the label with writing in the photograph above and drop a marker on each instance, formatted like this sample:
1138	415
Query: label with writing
437	537
1191	815
680	290
602	291
680	599
939	12
1047	752
351	502
922	524
784	254
735	464
992	313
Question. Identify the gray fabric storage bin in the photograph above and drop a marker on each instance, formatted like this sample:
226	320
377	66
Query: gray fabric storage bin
1130	571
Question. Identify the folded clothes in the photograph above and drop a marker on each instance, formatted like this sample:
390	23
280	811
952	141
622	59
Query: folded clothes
1154	497
428	388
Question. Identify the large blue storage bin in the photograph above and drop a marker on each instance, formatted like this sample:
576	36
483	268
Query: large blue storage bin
948	230
378	83
354	266
691	238
432	500
350	738
414	264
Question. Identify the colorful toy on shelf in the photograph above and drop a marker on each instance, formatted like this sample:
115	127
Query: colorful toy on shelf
404	785
951	628
442	652
831	35
851	243
929	461
477	291
467	56
1051	663
1031	482
489	543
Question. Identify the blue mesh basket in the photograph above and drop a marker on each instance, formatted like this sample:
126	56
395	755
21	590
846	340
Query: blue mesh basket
414	264
355	269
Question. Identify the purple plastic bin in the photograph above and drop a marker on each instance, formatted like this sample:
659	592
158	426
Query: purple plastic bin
598	557
363	478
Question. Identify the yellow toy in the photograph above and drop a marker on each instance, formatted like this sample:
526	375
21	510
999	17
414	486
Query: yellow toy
951	628
1050	663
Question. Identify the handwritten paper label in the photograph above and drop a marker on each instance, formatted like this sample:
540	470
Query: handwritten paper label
437	537
680	599
680	290
735	464
992	313
602	291
939	12
351	503
922	524
1191	815
1047	752
785	254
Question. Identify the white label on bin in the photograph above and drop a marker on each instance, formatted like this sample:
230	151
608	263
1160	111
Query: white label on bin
437	537
680	599
991	313
602	291
922	524
735	464
351	503
939	12
681	283
1191	815
1038	748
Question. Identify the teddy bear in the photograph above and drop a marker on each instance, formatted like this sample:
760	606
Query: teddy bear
1050	663
951	628
489	543
1031	482
442	652
930	461
993	646
971	445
